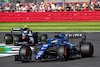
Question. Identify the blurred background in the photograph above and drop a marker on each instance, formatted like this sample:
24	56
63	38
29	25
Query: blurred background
48	5
46	1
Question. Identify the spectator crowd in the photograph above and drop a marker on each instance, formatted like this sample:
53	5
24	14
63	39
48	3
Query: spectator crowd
43	7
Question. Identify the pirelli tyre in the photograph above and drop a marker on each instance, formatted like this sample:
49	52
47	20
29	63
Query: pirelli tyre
86	49
25	53
8	39
63	52
43	38
16	38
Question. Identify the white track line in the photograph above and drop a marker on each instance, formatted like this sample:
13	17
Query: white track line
15	49
5	55
13	46
12	52
1	44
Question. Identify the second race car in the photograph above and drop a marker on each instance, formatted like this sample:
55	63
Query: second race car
24	36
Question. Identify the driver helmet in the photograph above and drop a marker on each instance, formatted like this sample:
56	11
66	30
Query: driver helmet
24	29
57	36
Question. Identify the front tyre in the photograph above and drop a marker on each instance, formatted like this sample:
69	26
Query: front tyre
26	53
63	52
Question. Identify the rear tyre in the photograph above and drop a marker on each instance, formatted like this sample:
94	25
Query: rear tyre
16	39
63	52
86	49
8	39
26	53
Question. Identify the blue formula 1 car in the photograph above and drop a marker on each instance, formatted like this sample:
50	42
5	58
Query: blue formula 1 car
57	48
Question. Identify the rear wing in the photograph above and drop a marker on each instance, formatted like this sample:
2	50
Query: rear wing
76	35
15	29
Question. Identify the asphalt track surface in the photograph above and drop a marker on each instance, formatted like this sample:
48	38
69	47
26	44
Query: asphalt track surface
94	61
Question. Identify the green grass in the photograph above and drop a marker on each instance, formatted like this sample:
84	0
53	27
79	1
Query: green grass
53	26
2	49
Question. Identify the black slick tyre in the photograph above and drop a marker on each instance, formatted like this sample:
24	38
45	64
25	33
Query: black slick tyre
26	53
16	39
86	49
8	39
64	51
43	38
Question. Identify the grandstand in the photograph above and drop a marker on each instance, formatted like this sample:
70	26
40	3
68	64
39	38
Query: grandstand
49	10
67	0
45	1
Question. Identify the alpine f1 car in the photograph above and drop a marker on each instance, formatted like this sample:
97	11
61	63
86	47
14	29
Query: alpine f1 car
24	36
57	48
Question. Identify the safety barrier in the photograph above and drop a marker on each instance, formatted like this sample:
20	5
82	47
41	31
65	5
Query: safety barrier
49	16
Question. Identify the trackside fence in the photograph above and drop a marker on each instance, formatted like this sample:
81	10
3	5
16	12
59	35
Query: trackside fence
49	16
